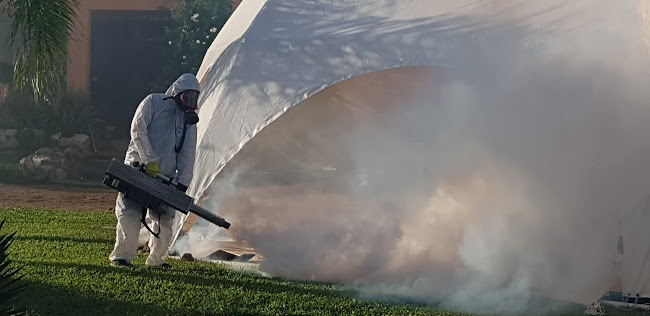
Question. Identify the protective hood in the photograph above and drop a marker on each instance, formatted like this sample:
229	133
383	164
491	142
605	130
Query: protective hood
184	82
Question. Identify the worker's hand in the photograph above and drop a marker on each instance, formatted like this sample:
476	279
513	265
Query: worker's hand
181	187
153	169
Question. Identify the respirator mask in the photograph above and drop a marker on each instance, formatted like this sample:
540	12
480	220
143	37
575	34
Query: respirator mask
188	101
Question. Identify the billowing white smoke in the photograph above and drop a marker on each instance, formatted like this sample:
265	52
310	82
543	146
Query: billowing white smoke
506	187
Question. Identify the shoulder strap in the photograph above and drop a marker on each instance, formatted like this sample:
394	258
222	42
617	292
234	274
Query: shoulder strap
144	222
179	146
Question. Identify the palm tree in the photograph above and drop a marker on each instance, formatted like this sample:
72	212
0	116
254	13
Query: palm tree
43	27
9	288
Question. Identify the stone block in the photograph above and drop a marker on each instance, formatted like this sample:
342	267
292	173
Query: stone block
61	174
27	166
46	172
80	142
45	151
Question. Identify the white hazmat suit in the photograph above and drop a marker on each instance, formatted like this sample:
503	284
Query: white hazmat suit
156	128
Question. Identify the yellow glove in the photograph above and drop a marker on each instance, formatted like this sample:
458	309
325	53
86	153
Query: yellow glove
153	169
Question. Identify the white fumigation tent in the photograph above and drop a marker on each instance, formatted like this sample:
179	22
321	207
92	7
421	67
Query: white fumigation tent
273	55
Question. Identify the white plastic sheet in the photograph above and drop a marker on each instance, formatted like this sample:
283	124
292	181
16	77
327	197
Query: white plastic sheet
273	54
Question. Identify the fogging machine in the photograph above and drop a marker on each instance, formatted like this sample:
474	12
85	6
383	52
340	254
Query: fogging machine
150	192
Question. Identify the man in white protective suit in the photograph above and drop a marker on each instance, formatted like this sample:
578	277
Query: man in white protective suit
163	138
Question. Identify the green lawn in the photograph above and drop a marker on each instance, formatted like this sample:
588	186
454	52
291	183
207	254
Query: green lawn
64	255
66	267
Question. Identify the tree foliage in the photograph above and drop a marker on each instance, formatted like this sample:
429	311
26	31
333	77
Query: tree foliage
193	27
44	27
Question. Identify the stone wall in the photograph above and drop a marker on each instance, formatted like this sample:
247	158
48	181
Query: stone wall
59	162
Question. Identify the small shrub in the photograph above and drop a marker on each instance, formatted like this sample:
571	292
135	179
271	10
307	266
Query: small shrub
30	139
67	114
20	111
37	121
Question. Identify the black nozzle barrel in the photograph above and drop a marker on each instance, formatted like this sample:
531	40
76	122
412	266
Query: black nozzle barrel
209	216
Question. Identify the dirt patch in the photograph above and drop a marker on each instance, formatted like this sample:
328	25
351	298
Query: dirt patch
58	197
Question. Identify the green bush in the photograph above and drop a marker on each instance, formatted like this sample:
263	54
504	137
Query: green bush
19	111
69	114
30	139
38	121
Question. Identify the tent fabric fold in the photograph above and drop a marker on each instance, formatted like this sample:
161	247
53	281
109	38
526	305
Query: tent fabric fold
273	54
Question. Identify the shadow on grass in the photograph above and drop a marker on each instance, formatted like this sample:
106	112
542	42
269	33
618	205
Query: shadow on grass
45	300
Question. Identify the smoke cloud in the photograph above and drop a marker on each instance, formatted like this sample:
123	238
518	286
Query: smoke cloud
482	192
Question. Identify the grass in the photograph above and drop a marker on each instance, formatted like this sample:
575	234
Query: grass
65	258
66	269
